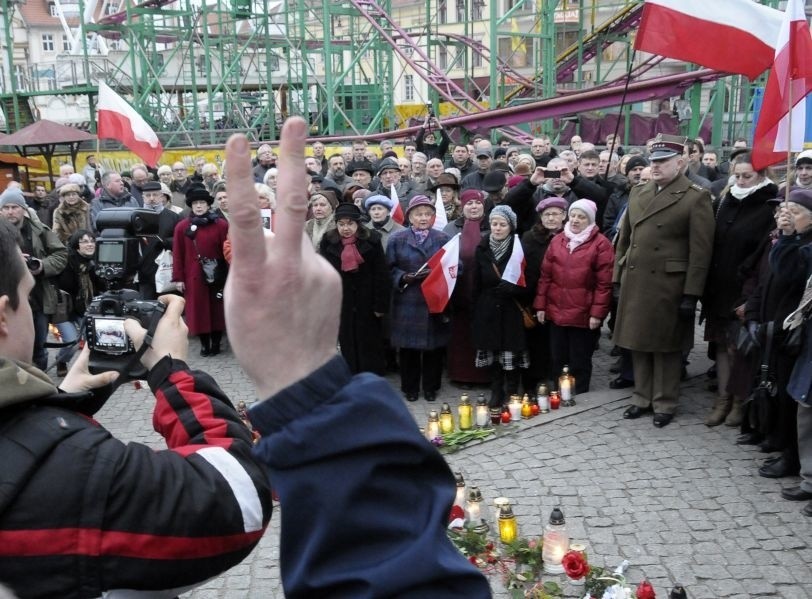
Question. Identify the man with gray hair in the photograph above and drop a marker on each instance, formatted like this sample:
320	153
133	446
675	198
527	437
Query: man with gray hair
266	159
114	195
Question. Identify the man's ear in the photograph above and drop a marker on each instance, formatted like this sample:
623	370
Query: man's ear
5	307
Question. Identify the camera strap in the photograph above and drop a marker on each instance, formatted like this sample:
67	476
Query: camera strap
153	324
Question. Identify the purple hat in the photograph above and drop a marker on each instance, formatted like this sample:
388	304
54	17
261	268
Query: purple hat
419	200
552	202
802	197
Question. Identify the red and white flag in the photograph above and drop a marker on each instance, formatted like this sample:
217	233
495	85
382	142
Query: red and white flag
116	119
514	269
790	81
397	211
737	36
440	217
439	285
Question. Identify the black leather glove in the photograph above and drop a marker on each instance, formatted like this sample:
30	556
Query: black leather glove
413	277
616	291
687	307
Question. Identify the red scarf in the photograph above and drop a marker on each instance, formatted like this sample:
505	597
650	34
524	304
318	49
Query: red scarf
350	256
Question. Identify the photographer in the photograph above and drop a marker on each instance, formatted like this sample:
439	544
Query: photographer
46	257
82	513
425	141
154	245
351	494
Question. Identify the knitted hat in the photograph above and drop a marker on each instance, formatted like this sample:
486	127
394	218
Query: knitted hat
198	192
378	200
588	207
77	179
552	202
419	200
345	210
13	196
634	162
470	195
804	157
166	191
505	212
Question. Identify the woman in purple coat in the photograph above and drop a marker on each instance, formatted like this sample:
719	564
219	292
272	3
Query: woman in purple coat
420	336
202	233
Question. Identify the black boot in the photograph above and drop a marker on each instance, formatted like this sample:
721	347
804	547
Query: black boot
205	344
216	337
511	382
497	387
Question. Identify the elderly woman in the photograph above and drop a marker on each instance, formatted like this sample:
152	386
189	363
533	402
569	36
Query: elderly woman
379	209
791	261
322	204
420	336
743	219
449	188
498	327
575	292
356	253
552	213
461	351
271	177
72	214
201	234
165	174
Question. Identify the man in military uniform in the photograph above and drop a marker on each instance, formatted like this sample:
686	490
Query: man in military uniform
662	257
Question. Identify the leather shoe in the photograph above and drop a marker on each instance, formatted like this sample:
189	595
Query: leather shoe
778	469
796	494
430	395
807	511
411	396
620	383
752	438
634	412
767	447
661	420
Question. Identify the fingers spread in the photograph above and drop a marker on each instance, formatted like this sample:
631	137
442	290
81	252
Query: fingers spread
291	194
247	240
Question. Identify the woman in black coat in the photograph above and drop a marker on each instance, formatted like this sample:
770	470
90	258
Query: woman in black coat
552	213
498	326
743	221
356	253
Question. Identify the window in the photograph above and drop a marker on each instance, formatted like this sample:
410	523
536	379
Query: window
65	43
408	88
524	6
47	42
461	11
53	10
442	11
442	57
476	59
477	8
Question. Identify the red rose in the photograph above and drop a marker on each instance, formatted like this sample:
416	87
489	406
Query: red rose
645	591
456	512
489	547
575	565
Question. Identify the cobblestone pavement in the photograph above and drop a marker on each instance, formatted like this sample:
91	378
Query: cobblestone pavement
682	504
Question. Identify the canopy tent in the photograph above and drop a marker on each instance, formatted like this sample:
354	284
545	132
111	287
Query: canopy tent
44	136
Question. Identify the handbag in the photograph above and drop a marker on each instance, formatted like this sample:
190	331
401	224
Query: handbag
214	270
64	307
528	318
163	276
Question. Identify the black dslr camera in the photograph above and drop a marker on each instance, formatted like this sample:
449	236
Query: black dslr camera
117	258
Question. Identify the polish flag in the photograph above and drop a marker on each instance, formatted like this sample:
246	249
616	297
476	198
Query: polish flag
397	211
790	81
514	269
440	217
116	119
439	285
737	36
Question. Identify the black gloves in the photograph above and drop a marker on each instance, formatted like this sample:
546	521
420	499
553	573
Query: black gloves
413	277
687	307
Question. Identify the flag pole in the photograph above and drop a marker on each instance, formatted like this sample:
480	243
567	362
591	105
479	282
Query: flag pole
787	185
620	112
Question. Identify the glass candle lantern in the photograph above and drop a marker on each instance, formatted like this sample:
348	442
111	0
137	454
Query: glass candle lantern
566	387
459	498
465	411
515	407
475	512
556	542
496	416
543	398
555	400
482	415
446	420
508	529
433	426
506	415
527	410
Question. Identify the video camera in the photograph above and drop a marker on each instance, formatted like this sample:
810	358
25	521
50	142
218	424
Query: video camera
117	258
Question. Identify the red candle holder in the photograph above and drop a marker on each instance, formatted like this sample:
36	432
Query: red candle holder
555	400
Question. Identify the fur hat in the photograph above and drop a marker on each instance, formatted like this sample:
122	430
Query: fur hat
345	210
505	212
198	192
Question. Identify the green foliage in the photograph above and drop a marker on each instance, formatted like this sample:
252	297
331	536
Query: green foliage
455	440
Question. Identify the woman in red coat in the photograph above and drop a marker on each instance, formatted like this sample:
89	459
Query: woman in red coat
575	292
202	233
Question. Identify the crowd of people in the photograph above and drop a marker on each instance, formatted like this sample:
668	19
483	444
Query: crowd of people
633	238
